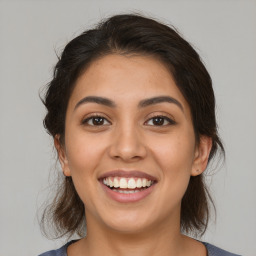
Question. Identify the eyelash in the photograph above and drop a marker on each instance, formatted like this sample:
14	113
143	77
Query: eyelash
165	118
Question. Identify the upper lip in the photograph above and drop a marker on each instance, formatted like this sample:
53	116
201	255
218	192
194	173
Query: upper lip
127	174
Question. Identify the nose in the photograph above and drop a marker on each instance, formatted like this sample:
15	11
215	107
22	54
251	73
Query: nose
128	145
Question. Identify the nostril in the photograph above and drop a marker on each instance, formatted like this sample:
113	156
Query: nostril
127	148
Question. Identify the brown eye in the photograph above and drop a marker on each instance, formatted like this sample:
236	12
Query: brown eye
160	121
98	121
95	121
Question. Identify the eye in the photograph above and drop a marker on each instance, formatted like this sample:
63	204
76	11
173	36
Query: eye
95	121
160	121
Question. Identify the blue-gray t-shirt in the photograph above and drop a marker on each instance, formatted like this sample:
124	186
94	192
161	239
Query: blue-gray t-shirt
211	249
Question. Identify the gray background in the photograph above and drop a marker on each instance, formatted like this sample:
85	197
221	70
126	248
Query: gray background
30	31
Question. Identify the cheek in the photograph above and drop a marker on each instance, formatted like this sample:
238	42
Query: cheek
175	169
175	157
83	153
174	153
83	156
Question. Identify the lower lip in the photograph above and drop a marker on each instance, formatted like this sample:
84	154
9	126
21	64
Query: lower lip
127	198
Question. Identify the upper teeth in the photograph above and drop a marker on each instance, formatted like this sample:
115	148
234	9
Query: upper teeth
118	182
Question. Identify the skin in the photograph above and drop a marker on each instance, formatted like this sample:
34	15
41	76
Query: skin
129	139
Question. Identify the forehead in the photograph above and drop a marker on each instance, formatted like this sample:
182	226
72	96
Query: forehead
120	77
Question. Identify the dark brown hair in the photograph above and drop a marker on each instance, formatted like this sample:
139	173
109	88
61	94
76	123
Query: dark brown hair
132	34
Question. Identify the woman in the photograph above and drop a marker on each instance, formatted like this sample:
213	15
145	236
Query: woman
132	112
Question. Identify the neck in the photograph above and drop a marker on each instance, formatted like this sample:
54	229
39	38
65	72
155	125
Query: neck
162	240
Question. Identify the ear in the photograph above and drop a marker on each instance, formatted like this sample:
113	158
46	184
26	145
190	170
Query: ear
62	155
202	153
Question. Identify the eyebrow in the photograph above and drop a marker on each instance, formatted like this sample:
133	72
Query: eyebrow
160	99
98	100
144	103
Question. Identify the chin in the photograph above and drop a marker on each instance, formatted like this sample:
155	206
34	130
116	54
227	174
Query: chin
127	222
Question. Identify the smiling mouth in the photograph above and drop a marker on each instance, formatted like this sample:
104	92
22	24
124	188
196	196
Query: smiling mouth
127	185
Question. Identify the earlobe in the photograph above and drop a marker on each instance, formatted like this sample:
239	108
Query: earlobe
62	155
201	155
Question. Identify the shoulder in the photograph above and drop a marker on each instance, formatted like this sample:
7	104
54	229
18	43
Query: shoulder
59	252
215	251
212	251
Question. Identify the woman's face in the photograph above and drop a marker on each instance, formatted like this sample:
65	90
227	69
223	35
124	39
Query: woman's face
129	144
